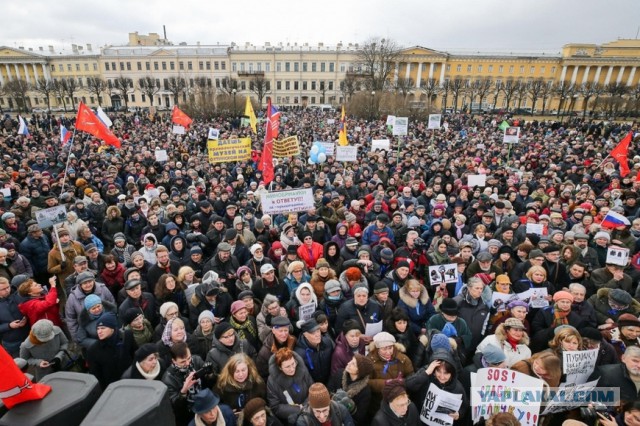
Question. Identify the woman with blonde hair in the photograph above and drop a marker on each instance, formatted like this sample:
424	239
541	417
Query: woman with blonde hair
543	365
239	382
187	277
566	338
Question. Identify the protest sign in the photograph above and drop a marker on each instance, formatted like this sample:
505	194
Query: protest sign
214	134
346	153
371	329
437	406
617	255
401	126
434	121
569	396
477	180
443	274
228	150
178	130
391	120
161	155
330	148
331	121
46	218
306	311
286	147
535	228
499	301
380	145
511	135
578	365
290	201
6	192
535	297
497	390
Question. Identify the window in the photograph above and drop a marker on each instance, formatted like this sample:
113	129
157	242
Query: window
234	67
164	66
241	66
201	65
208	65
521	69
287	85
156	67
217	81
313	99
479	68
287	66
144	98
69	66
95	66
223	65
343	67
106	67
121	66
278	99
147	66
158	83
172	65
322	67
80	82
295	100
259	66
448	68
191	82
216	65
243	85
91	99
267	67
331	67
510	69
77	67
458	68
501	68
113	66
296	85
128	66
322	86
532	70
296	67
304	67
542	69
268	85
209	82
490	68
139	66
181	66
469	67
331	85
189	66
553	70
133	97
313	85
278	85
166	83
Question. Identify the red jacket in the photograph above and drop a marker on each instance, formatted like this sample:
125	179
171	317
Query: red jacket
43	307
317	251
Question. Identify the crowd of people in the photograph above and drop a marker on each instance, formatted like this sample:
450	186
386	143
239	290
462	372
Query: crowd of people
171	270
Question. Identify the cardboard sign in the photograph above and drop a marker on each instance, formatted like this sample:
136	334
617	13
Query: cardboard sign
578	365
46	218
434	121
401	126
477	180
380	145
346	153
511	135
229	150
535	228
618	255
286	147
290	201
178	130
306	311
443	274
161	155
213	134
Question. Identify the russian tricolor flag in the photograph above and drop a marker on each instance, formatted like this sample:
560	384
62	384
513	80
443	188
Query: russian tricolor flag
22	129
65	135
613	220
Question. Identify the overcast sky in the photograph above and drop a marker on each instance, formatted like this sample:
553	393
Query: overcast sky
471	25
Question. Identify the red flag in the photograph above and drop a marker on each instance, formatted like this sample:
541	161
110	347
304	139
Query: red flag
266	161
180	117
638	176
87	121
15	387
619	153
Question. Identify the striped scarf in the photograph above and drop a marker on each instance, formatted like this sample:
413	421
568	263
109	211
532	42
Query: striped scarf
245	330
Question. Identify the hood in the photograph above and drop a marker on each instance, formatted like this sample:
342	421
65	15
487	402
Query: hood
184	243
326	249
444	355
170	226
236	221
150	235
308	286
410	301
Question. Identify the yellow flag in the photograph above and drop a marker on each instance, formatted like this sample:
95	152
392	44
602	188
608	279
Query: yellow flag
343	130
248	111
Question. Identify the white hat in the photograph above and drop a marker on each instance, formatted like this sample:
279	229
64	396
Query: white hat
383	339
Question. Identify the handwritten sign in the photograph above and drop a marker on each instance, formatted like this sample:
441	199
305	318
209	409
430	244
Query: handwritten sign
380	145
178	130
306	311
437	406
434	121
578	365
296	200
535	228
346	153
330	147
371	329
229	150
214	134
161	155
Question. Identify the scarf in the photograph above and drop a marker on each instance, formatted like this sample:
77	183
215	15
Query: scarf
467	297
514	343
166	334
245	330
560	317
142	336
151	375
219	421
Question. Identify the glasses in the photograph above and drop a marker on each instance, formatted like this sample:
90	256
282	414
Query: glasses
171	314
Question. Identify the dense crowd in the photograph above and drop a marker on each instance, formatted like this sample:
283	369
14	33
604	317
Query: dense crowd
171	271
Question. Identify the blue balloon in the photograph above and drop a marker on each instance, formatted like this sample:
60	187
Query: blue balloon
314	157
322	149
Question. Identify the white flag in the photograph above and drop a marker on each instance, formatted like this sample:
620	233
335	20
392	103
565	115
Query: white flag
104	118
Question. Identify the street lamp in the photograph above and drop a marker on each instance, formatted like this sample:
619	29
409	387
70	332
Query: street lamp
373	95
234	100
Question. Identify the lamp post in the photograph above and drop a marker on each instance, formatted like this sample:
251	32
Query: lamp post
234	101
373	96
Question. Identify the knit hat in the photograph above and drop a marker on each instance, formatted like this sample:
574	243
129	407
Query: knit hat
108	319
236	306
484	257
392	389
221	328
620	296
386	254
322	263
144	351
351	324
383	339
253	407
119	236
43	330
449	306
206	314
449	330
131	314
515	303
494	243
562	295
493	355
91	300
365	365
403	264
128	272
246	294
440	341
332	285
594	334
164	308
351	242
241	270
319	396
602	234
628	320
380	287
292	249
535	253
255	248
18	280
230	234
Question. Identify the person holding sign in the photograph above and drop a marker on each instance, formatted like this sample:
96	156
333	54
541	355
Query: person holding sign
302	305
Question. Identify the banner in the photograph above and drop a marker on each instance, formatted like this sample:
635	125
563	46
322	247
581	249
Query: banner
380	145
511	135
46	218
401	126
286	147
434	121
437	406
346	153
497	390
443	274
578	365
228	150
291	201
178	130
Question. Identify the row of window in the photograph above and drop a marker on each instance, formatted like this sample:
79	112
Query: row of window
532	69
312	100
70	67
164	66
287	66
306	85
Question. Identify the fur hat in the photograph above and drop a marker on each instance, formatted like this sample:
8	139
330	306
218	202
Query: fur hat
393	389
365	365
253	407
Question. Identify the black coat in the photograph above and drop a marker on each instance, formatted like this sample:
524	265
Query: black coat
317	360
386	417
543	331
616	376
108	359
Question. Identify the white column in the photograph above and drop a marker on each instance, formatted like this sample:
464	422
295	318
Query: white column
596	79
619	79
407	74
564	73
631	75
431	70
15	66
608	77
396	70
420	65
574	76
35	71
1	77
442	66
47	72
8	68
26	73
585	77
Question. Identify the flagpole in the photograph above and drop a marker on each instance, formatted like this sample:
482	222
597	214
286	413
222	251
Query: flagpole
66	167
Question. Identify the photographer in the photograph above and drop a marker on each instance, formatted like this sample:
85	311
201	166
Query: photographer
186	376
630	415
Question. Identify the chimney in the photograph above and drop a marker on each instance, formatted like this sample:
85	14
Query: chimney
89	47
41	49
31	49
21	47
51	49
74	48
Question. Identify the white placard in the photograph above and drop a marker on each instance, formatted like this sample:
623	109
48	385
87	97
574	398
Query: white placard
161	155
178	130
511	135
373	328
535	297
477	180
578	365
434	121
437	406
346	153
331	121
6	192
617	255
569	397
535	228
306	311
296	200
481	146
330	147
380	145
499	301
391	120
46	218
357	129
443	274
401	126
213	134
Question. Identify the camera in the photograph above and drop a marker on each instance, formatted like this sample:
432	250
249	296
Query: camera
56	363
590	414
419	243
207	368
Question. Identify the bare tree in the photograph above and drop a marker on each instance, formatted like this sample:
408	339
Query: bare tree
18	89
228	84
564	90
58	90
124	85
322	89
535	88
545	93
260	86
522	88
149	87
457	87
348	87
509	89
377	58
482	89
615	91
177	86
96	86
404	86
446	89
70	87
45	88
587	91
430	88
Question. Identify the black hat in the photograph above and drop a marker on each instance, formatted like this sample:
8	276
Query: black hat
221	328
309	326
383	217
591	333
131	314
280	321
449	306
292	249
351	324
131	284
244	294
403	264
230	234
144	351
550	249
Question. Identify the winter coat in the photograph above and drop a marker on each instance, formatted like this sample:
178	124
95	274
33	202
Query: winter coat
237	397
317	360
338	415
205	341
399	367
358	390
111	227
602	278
54	260
86	333
394	283
36	250
109	358
310	255
146	302
164	351
220	354
330	307
133	372
277	288
386	417
292	284
343	353
476	316
367	314
318	282
223	269
419	310
75	305
156	271
35	354
20	265
617	376
149	253
600	302
542	329
199	303
347	290
269	348
499	339
42	307
9	312
296	386
415	346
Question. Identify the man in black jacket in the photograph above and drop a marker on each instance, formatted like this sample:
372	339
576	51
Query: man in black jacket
622	376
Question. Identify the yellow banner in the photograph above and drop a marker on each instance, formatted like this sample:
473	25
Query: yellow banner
286	147
228	150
